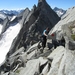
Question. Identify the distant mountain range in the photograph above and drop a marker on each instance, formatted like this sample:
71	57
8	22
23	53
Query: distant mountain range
11	12
4	13
60	12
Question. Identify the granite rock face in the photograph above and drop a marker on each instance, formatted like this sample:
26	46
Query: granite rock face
65	64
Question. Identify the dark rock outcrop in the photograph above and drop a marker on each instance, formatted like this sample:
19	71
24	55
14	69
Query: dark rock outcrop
1	20
5	25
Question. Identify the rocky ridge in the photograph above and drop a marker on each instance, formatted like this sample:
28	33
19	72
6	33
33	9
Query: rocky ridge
59	61
34	24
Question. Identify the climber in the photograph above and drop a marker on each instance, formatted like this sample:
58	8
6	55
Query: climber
44	37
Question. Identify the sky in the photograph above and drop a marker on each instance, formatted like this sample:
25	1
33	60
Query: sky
22	4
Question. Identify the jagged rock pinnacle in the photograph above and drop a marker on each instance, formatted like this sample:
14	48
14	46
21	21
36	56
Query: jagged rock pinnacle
41	1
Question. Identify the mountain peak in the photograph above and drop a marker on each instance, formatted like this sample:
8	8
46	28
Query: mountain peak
41	1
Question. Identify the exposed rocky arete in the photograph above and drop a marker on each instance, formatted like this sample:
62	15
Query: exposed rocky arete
26	58
33	23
